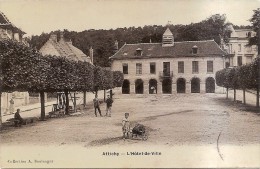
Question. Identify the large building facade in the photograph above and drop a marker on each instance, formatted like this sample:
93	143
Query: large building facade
169	67
238	47
15	99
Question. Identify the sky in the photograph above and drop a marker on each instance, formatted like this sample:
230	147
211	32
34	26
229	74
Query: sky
37	16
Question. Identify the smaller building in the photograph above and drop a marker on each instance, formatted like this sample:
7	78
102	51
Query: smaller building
238	49
65	49
10	101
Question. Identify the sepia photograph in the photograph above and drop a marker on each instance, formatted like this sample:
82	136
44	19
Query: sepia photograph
129	83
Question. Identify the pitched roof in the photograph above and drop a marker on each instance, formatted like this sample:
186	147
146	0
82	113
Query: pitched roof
64	49
180	49
5	23
167	32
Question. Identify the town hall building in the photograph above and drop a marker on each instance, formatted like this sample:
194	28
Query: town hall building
169	67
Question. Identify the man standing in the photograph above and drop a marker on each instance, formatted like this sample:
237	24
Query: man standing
11	107
96	106
109	102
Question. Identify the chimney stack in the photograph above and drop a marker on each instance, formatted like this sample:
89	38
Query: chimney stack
61	36
53	37
91	53
116	46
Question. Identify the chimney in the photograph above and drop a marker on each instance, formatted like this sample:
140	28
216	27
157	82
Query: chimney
61	36
116	45
91	54
53	37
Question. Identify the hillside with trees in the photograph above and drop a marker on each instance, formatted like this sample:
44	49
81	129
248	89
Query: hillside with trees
103	41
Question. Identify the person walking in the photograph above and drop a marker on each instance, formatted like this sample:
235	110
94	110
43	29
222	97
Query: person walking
109	102
96	106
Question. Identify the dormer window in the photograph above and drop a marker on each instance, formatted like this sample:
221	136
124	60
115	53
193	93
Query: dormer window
194	49
139	52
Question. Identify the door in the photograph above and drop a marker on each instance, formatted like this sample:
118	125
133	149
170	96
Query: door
166	68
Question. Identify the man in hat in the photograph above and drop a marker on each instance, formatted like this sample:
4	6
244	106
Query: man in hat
109	102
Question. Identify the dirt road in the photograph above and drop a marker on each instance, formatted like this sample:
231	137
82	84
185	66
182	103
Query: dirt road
182	119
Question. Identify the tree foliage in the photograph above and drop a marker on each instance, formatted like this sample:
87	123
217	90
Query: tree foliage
243	77
103	41
118	78
255	21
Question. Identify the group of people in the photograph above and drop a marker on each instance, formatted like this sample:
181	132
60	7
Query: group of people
109	103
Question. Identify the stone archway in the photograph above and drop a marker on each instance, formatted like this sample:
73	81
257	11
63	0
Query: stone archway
139	86
181	85
126	87
167	86
195	85
152	86
210	85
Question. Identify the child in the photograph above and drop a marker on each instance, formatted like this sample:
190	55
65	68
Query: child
126	126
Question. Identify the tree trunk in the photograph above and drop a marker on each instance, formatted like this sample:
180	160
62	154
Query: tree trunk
104	95
244	95
235	95
0	109
257	96
85	99
75	104
227	93
67	102
111	93
42	96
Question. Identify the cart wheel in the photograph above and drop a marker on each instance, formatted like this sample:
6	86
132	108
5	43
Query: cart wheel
145	137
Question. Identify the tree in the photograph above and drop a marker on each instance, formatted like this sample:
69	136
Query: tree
255	20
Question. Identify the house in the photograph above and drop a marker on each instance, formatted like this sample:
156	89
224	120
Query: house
65	49
169	67
238	49
9	31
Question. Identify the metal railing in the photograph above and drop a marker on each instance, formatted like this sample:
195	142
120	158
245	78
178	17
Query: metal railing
167	74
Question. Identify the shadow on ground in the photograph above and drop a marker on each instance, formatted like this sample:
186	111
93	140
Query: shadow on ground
242	107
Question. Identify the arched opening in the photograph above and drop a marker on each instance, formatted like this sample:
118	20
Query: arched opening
139	86
181	85
210	85
167	86
126	87
195	85
152	86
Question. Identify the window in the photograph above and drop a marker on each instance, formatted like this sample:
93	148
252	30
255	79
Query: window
139	52
195	67
180	67
210	66
194	49
230	48
239	60
227	65
138	68
249	59
152	68
125	68
239	47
